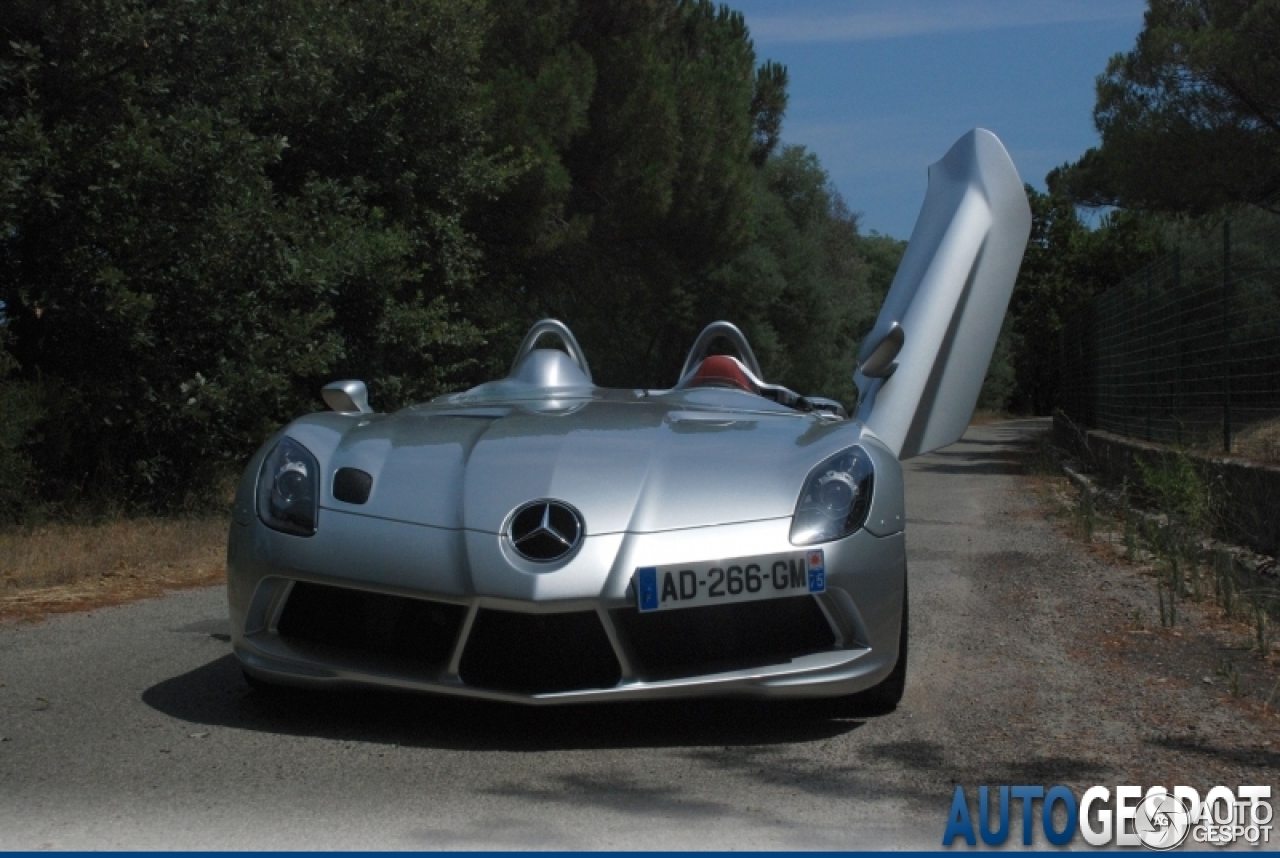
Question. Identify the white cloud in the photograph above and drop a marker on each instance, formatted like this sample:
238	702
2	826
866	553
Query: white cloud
877	20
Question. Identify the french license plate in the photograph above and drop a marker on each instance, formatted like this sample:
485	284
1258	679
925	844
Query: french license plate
746	579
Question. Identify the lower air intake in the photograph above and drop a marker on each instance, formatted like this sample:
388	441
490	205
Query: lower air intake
391	628
672	644
538	653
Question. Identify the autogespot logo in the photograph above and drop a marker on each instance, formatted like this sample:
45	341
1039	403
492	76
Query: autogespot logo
1158	818
1162	821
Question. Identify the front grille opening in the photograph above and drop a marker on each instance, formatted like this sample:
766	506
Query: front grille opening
694	641
417	631
538	653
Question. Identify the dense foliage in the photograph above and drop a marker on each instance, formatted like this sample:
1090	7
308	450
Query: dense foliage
208	209
1190	118
1066	264
655	199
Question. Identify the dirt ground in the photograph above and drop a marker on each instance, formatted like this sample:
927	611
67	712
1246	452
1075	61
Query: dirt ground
1205	696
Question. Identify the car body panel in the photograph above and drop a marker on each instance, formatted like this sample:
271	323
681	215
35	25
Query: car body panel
863	598
948	298
635	466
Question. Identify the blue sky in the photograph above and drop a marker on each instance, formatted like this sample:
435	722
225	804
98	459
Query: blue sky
880	89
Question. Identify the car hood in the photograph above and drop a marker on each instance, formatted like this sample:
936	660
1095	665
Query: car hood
639	465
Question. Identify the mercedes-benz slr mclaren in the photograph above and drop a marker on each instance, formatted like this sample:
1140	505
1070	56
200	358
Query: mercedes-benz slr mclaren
540	539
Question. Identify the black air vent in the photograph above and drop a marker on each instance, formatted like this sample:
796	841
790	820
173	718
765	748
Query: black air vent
352	485
386	629
671	644
538	653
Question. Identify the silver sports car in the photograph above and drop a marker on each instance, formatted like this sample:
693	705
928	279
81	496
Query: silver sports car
543	540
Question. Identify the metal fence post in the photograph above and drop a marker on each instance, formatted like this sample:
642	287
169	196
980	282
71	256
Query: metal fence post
1175	401
1064	392
1148	365
1226	335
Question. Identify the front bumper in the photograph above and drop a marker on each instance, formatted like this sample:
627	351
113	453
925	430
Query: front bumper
504	633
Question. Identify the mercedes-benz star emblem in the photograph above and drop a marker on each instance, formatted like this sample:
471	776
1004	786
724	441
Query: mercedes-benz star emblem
545	530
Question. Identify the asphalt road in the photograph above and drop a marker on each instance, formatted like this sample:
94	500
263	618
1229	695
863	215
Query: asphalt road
130	727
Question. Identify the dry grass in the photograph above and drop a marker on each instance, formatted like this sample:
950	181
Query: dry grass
1259	441
1204	640
56	568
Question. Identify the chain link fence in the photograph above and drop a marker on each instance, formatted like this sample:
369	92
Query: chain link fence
1187	351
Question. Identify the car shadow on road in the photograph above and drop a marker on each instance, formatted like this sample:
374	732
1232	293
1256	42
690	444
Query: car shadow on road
926	756
216	695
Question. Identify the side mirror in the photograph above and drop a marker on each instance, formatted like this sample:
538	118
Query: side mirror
880	362
347	397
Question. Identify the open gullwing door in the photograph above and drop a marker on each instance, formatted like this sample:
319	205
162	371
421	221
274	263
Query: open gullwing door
921	368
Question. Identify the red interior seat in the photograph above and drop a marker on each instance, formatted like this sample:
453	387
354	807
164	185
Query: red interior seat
721	371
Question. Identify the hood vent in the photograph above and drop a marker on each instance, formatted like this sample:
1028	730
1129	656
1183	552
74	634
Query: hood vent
352	485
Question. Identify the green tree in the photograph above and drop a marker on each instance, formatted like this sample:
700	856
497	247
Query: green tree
20	410
768	105
1065	265
210	209
804	289
1190	118
638	123
654	198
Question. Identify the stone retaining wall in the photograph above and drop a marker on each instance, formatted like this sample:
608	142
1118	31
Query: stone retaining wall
1249	493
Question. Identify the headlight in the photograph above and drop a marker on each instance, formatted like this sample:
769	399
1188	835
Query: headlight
835	500
288	489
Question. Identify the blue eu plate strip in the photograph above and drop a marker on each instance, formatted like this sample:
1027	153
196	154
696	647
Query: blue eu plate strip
647	588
